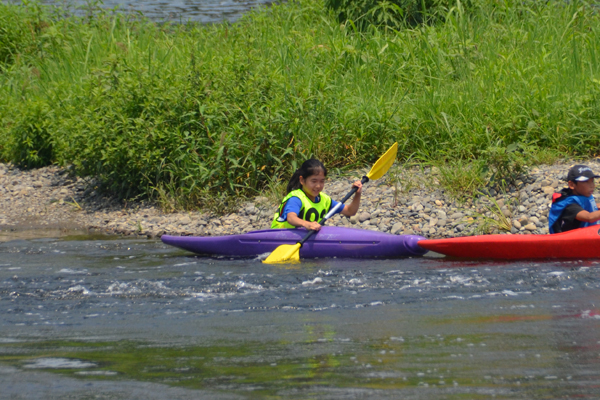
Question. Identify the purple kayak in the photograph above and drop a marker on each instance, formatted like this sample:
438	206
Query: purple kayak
328	242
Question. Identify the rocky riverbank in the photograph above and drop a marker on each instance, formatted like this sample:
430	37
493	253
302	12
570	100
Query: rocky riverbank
48	199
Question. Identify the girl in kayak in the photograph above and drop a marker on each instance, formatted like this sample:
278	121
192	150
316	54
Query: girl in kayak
305	203
575	207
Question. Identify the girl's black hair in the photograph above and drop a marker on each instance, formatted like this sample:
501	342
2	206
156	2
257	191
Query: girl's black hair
309	168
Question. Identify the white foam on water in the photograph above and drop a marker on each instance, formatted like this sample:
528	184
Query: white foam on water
184	264
118	288
73	271
96	373
59	363
394	271
78	289
246	285
136	287
262	257
315	281
9	340
386	375
211	296
462	280
203	296
325	273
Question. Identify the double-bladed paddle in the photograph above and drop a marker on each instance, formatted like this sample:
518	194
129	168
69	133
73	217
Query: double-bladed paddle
290	253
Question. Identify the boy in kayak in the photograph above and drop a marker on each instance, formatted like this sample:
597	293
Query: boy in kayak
575	207
305	203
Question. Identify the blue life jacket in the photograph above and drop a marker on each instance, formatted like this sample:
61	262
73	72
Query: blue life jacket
559	205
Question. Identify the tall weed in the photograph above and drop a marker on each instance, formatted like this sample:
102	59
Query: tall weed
462	179
393	14
220	110
18	27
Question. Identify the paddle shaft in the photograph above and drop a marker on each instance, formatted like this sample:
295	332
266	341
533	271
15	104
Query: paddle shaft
333	210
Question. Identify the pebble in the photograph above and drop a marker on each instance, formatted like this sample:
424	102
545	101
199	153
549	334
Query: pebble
530	226
517	224
50	198
397	227
364	216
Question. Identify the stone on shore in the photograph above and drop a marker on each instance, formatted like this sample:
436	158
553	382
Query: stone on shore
50	198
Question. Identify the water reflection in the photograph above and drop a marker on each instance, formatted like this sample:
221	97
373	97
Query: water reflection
203	11
325	361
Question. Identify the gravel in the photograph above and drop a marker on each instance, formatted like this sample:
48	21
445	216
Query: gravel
48	198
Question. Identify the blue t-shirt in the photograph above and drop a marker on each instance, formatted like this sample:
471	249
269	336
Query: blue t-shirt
294	204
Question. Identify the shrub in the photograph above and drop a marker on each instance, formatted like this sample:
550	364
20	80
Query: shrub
29	139
391	13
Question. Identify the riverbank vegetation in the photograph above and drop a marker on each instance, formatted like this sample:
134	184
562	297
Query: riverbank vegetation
198	115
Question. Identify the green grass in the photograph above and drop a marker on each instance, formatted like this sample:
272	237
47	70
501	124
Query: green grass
191	113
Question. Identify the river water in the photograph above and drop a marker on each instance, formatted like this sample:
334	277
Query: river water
203	11
114	318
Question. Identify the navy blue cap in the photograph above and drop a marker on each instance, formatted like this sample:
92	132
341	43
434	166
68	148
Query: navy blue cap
580	173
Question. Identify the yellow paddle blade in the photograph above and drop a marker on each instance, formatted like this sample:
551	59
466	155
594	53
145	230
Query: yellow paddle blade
286	253
384	163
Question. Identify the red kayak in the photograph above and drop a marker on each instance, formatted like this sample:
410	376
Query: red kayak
576	244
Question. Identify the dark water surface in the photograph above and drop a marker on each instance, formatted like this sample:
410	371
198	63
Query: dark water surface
204	11
91	317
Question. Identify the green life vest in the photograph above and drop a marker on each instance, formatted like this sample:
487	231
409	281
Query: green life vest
309	212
